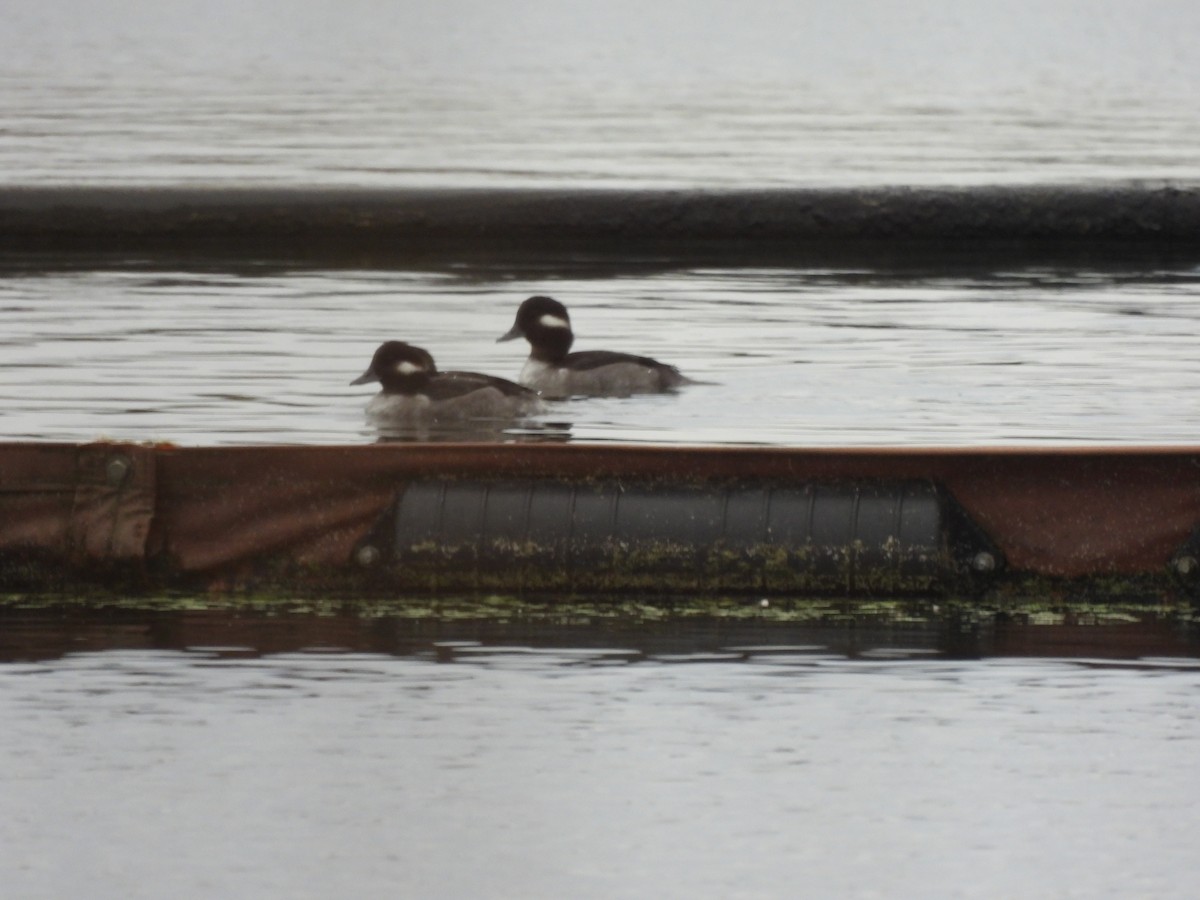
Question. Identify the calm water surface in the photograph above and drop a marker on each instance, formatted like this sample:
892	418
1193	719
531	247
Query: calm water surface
159	759
690	93
816	357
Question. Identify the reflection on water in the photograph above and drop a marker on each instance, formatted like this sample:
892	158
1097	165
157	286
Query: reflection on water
457	630
289	755
790	356
474	430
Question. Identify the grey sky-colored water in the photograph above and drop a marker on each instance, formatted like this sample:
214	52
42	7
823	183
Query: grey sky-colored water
517	772
934	43
695	94
789	357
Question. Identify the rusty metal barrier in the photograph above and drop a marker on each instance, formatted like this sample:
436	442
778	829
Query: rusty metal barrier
1065	522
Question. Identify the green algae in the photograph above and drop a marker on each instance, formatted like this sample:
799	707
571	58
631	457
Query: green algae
659	567
964	613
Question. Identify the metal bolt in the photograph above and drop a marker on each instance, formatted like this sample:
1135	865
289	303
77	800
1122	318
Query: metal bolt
117	470
983	562
367	555
1186	565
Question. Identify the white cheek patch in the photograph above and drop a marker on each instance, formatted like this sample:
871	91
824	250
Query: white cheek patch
552	321
404	367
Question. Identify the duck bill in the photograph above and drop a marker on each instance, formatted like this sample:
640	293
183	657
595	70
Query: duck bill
365	377
514	333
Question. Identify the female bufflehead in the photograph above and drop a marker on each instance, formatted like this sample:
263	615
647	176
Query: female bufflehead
416	393
554	372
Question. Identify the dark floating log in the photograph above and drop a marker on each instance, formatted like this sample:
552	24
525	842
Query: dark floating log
390	227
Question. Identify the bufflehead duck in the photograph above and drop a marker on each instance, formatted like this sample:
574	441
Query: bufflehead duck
552	371
416	393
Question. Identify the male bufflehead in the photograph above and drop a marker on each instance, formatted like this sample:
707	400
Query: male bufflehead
554	372
416	393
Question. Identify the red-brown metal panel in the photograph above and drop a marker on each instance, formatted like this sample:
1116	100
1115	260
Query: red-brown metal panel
220	510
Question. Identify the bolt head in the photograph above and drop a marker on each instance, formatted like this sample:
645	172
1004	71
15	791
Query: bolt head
983	562
117	470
